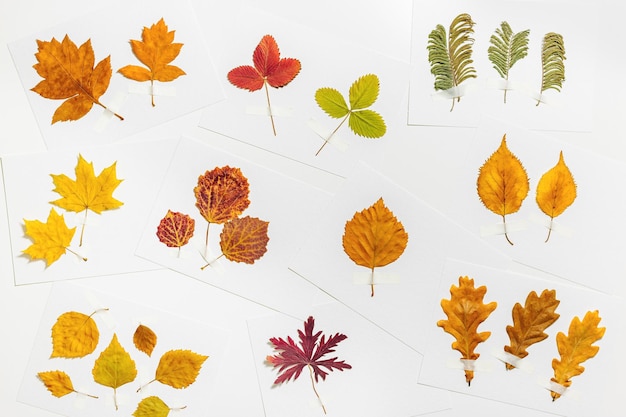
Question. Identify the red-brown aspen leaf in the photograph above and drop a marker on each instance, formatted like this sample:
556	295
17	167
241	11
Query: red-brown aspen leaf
269	69
575	348
156	50
556	191
50	239
114	367
153	407
87	191
374	237
466	311
291	359
244	239
530	322
178	368
69	74
74	335
144	339
175	229
59	383
502	183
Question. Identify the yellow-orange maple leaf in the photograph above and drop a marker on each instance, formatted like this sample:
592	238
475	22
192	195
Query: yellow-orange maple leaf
556	191
50	239
69	73
74	335
178	368
156	50
530	321
114	367
466	311
145	339
87	191
576	348
244	239
502	183
374	237
58	383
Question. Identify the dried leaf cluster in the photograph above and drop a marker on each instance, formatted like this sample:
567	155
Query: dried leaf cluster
76	335
503	184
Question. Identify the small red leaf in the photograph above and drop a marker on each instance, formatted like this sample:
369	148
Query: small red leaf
175	229
245	77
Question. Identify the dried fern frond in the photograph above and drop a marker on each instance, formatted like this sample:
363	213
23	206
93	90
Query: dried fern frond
506	49
552	62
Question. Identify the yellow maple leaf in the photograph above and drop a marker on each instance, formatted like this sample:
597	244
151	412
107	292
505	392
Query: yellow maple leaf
153	407
114	367
576	348
502	183
466	311
156	50
58	383
556	191
74	335
145	339
530	321
374	238
178	368
87	191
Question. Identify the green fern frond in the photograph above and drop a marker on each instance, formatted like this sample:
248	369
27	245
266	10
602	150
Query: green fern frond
506	49
552	62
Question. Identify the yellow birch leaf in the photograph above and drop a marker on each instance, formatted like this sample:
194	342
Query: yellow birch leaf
466	311
556	191
576	348
74	335
114	367
58	383
153	407
502	183
145	339
530	321
179	368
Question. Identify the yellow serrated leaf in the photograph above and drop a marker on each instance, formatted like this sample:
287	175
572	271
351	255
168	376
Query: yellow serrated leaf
74	335
145	339
57	382
50	239
179	368
153	407
114	367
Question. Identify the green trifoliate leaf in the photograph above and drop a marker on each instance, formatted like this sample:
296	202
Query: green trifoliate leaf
367	123
332	102
364	92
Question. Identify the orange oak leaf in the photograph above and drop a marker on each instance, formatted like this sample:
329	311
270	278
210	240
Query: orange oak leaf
502	183
51	239
68	73
175	229
466	311
178	368
269	69
530	322
244	239
74	335
156	50
556	191
374	237
145	339
87	191
114	367
575	348
59	383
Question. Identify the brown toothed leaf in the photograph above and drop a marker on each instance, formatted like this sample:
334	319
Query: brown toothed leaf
222	194
175	229
145	339
244	239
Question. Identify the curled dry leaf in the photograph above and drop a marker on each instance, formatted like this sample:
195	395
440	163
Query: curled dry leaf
114	367
153	407
175	229
244	239
50	239
58	383
374	237
502	183
74	335
466	311
145	339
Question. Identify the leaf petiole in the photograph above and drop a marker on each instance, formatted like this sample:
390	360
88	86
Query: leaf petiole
269	106
76	254
333	133
209	263
505	232
314	389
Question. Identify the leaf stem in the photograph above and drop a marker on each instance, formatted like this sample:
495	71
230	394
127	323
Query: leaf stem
145	385
209	263
76	254
269	106
314	389
86	395
505	232
152	91
549	229
372	284
332	134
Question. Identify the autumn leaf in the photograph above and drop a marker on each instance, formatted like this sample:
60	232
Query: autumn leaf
530	322
244	239
59	383
178	368
87	191
145	339
362	94
291	359
502	183
466	311
575	348
153	407
269	69
68	73
506	49
156	50
556	191
50	239
114	367
175	229
552	62
74	335
374	237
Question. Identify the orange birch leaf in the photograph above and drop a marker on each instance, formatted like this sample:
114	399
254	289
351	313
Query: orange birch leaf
74	335
244	239
466	311
68	73
175	229
530	322
502	183
576	348
556	191
145	339
59	383
156	50
178	368
50	239
374	238
114	367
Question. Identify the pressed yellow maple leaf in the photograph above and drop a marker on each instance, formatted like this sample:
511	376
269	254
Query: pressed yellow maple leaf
51	239
466	311
556	191
575	348
69	73
502	183
530	322
153	407
58	383
87	191
145	339
374	237
178	368
114	367
244	239
156	50
74	335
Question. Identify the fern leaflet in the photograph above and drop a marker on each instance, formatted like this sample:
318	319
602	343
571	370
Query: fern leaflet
506	49
552	62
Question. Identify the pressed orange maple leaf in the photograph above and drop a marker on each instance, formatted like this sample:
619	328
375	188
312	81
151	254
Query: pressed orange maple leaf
291	359
156	50
175	229
466	311
374	237
269	69
69	74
